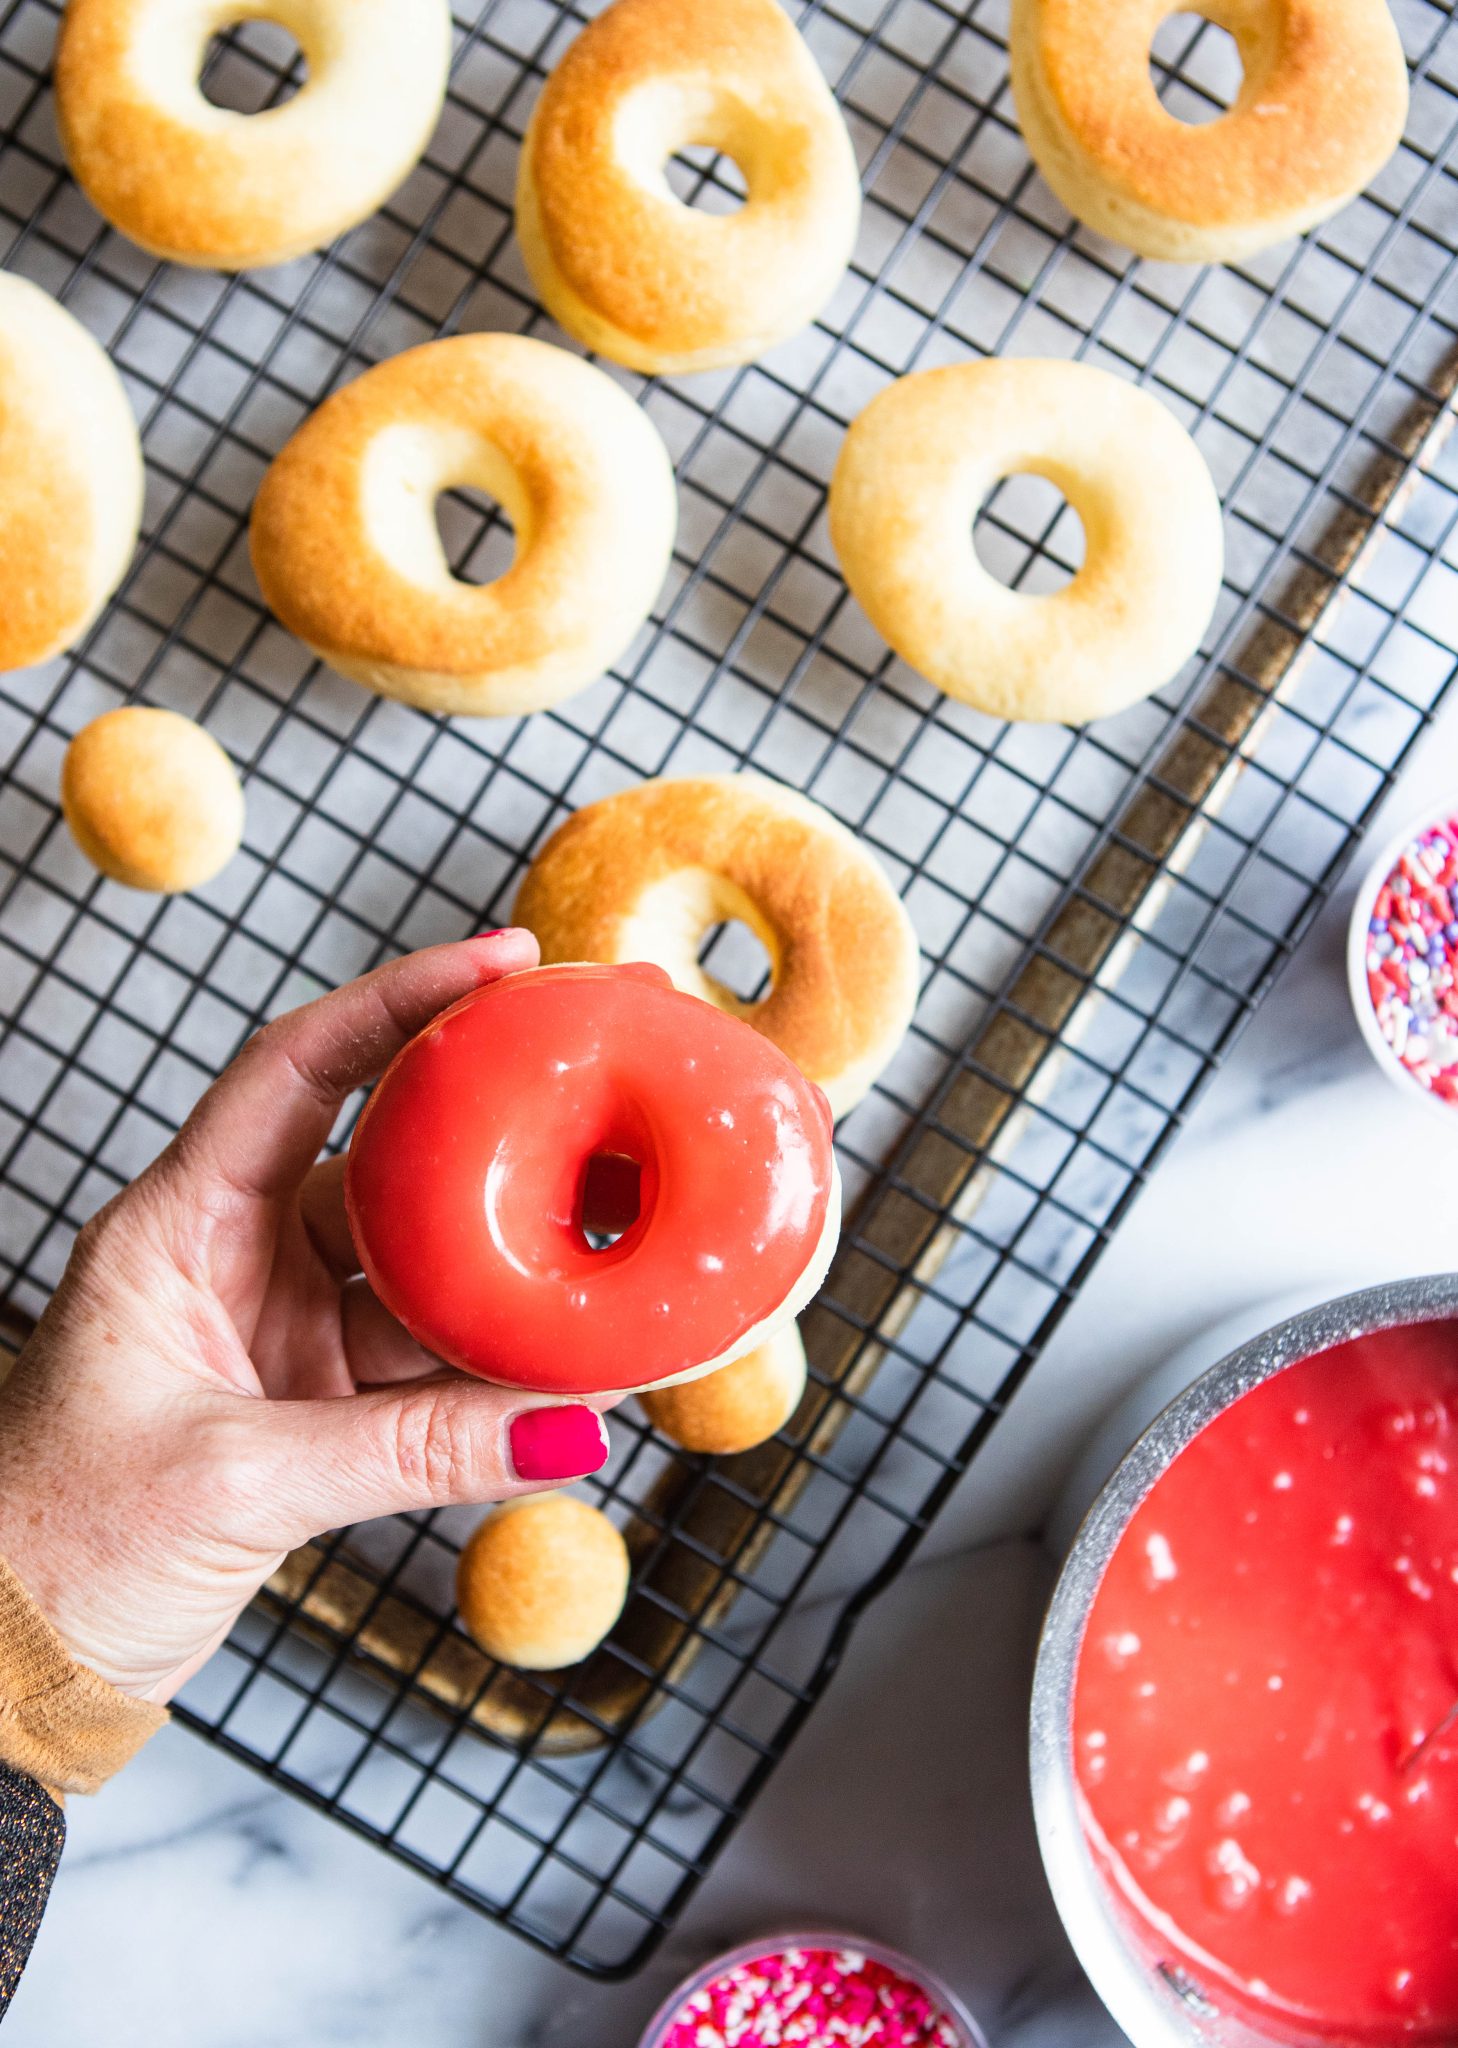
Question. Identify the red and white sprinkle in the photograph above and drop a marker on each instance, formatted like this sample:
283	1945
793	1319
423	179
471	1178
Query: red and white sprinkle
814	1997
1412	959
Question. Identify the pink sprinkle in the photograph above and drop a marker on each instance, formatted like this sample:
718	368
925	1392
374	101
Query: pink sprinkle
811	1998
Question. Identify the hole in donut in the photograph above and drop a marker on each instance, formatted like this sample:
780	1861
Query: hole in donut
1028	536
252	66
611	1199
703	177
476	535
737	959
1196	68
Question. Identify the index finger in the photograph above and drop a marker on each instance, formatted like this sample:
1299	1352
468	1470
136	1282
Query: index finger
261	1125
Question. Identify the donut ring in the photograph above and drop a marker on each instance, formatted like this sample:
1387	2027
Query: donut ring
1321	109
618	260
646	874
200	184
469	1171
914	469
70	476
347	554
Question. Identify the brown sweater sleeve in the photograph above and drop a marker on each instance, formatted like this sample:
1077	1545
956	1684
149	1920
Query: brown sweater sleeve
59	1722
32	1830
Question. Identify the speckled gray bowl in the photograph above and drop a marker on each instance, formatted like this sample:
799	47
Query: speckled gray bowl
1155	2004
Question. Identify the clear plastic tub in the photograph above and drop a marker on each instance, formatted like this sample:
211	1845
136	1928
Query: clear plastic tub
1368	891
968	2033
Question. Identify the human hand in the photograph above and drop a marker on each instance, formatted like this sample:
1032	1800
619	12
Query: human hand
214	1384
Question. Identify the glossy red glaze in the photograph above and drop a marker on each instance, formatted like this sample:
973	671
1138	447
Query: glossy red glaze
1273	1644
469	1167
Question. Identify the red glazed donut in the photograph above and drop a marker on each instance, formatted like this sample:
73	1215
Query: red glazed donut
470	1165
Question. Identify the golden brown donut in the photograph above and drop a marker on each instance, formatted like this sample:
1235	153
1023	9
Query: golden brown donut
616	257
70	476
346	550
646	874
151	799
918	463
201	184
1321	109
738	1406
542	1580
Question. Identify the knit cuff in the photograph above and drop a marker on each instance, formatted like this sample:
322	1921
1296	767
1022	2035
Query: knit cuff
60	1723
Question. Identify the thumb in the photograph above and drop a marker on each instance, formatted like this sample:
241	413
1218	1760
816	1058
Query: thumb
437	1443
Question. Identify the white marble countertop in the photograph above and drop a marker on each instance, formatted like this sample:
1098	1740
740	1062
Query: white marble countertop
198	1908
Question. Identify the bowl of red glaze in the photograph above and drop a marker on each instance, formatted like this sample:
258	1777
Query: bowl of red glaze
1402	959
1245	1712
815	1990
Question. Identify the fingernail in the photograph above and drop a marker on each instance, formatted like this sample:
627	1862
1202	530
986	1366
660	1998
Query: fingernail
559	1443
494	933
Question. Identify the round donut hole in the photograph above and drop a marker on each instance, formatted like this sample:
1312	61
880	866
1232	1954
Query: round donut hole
1196	68
252	66
738	959
703	177
611	1200
476	535
1028	536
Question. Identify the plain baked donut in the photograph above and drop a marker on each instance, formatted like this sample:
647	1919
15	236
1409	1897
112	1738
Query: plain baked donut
204	185
346	550
70	476
918	463
151	799
542	1580
618	260
1321	109
644	875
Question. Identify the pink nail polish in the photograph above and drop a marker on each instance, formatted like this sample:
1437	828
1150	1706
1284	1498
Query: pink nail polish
494	933
558	1443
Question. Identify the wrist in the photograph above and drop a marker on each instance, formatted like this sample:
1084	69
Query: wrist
73	1588
32	1563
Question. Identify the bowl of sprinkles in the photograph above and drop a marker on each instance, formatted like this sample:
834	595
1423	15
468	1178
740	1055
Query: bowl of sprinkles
812	1991
1402	959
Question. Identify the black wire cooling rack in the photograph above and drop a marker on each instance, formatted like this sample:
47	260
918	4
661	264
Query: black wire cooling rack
1099	911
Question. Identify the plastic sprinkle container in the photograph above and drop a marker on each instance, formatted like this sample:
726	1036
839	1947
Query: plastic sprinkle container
1402	959
812	1991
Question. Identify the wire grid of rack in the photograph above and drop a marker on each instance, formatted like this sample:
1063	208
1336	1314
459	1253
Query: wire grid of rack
1099	910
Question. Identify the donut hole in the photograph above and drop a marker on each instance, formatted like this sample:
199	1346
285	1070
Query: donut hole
611	1198
706	934
1196	68
251	67
701	176
1028	535
696	143
441	504
477	537
733	955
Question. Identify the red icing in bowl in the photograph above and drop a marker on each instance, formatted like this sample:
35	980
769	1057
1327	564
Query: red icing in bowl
472	1159
1261	1697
